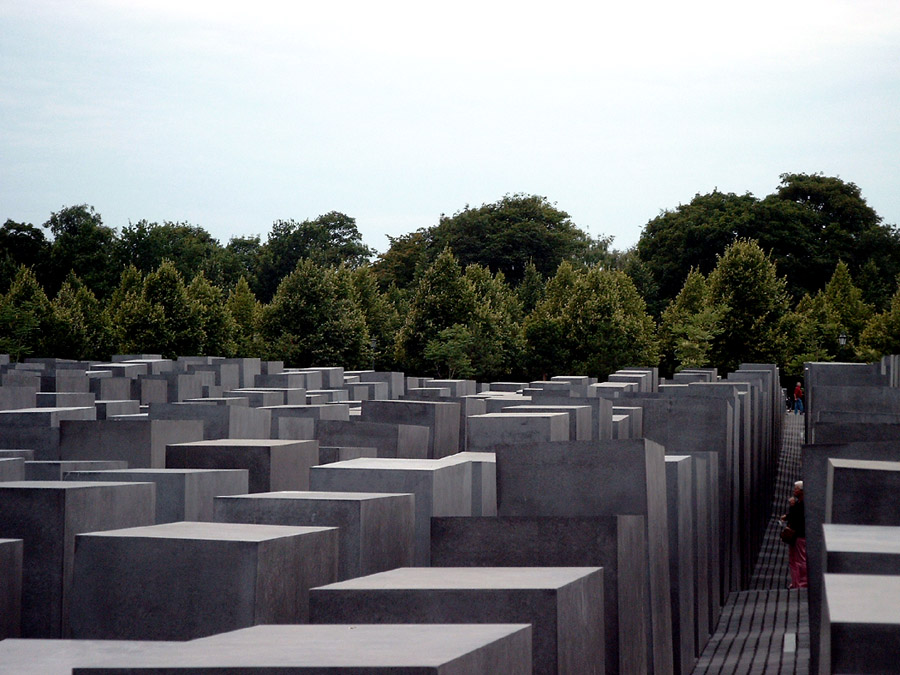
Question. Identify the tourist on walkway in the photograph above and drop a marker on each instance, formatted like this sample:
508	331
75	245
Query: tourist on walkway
798	399
795	521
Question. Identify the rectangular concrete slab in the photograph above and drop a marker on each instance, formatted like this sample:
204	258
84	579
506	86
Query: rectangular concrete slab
861	627
618	544
563	604
11	551
459	649
376	531
440	488
272	464
47	515
181	494
196	579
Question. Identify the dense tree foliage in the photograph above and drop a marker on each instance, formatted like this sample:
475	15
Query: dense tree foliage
313	319
752	299
808	225
590	321
508	289
82	245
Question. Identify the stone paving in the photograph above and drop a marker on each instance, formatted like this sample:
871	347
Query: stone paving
765	629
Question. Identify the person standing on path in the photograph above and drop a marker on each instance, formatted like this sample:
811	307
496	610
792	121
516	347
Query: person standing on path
798	399
795	519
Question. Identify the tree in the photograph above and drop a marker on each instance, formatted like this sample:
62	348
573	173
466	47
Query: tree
508	234
688	326
444	297
79	329
406	258
21	244
591	321
246	311
330	240
531	290
882	332
752	299
313	320
82	245
690	237
190	248
381	316
26	317
449	351
808	225
213	318
154	314
494	327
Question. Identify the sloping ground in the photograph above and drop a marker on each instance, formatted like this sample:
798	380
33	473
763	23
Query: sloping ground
766	629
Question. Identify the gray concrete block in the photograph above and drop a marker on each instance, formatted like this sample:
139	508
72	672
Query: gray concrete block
111	408
441	489
219	421
58	469
680	505
442	420
272	464
139	441
404	441
376	531
861	549
861	627
441	649
196	579
862	492
67	399
110	388
493	429
181	494
327	454
38	428
598	478
10	588
815	481
282	416
580	417
618	544
484	480
564	605
25	454
47	516
11	468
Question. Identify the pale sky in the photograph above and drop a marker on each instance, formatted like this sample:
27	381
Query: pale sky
231	115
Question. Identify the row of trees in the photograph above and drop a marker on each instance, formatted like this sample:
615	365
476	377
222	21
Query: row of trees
524	291
458	322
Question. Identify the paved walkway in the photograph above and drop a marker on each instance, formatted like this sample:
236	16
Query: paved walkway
766	629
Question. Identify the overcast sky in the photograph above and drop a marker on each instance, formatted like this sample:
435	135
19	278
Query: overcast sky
230	115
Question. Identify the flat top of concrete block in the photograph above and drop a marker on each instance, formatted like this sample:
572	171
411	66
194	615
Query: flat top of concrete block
210	531
537	407
36	411
468	577
866	464
304	495
240	443
470	456
7	541
62	485
863	598
517	416
862	538
361	646
386	463
153	472
677	458
58	657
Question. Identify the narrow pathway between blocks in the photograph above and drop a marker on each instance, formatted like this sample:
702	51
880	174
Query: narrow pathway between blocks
765	629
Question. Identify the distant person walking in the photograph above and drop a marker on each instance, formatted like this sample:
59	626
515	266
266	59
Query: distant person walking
798	399
794	535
